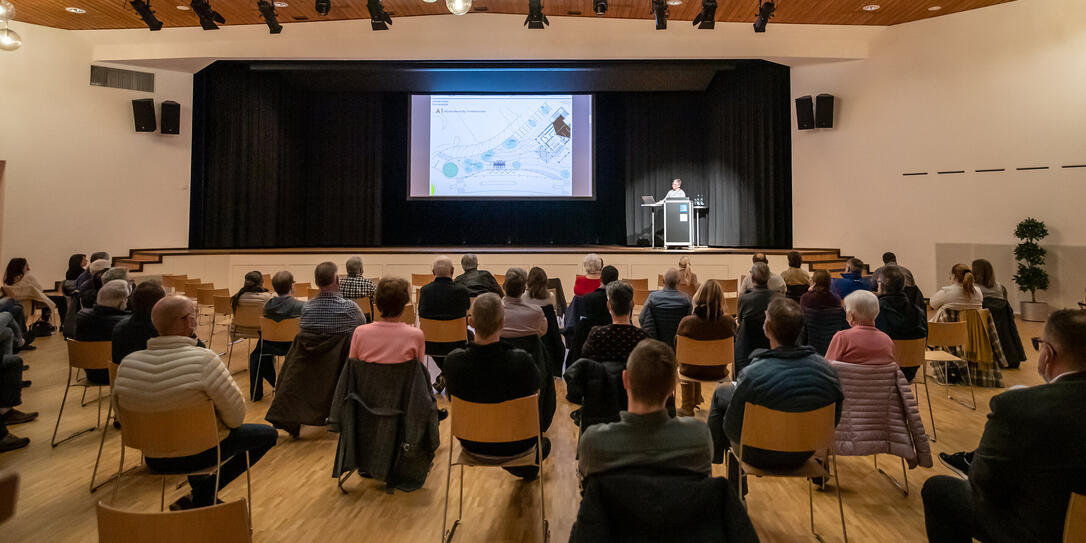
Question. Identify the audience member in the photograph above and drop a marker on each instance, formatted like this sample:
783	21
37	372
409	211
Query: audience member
787	377
89	283
851	280
590	281
774	283
389	340
664	309
283	306
329	313
984	279
709	322
752	307
443	299
795	274
537	292
595	302
539	295
647	437
354	285
898	317
11	385
890	259
688	280
21	285
77	264
863	343
961	294
11	337
820	296
251	293
489	371
475	280
613	342
97	323
132	332
1031	457
521	319
88	274
174	373
995	301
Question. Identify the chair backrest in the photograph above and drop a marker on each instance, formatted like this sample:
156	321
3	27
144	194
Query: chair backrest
9	492
193	286
284	330
365	304
268	282
732	305
1074	526
408	315
727	285
420	279
169	434
640	295
173	280
222	304
301	290
314	292
638	284
206	296
221	523
90	355
948	334
445	331
500	278
248	315
782	431
713	352
909	353
511	420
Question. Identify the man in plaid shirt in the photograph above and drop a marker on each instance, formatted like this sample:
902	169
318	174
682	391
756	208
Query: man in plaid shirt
330	313
354	285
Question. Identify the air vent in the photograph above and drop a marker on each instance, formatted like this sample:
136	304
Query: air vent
116	78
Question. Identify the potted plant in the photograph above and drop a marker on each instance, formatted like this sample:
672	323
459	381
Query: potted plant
1031	276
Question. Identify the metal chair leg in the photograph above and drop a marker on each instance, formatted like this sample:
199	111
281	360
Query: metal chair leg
446	536
56	428
120	472
969	380
101	445
840	503
902	487
211	332
162	500
248	490
927	395
542	499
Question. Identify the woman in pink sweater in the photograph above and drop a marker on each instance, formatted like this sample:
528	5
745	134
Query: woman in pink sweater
862	343
388	340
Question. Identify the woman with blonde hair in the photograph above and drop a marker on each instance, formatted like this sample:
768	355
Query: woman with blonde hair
962	293
688	280
709	322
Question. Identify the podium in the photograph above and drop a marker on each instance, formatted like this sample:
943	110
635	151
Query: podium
678	223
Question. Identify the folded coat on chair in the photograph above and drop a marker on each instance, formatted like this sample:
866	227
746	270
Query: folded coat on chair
307	382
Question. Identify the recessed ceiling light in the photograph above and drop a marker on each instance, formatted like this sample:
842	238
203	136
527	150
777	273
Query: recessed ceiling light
281	4
935	8
183	8
77	11
871	7
674	2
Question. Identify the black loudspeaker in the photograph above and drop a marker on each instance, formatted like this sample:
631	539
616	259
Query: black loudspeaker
824	111
171	117
805	113
144	112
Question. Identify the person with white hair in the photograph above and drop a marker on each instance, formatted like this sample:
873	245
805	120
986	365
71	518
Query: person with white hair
88	289
863	343
590	281
97	323
354	285
478	282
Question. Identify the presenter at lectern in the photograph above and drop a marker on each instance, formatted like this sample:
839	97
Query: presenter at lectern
676	190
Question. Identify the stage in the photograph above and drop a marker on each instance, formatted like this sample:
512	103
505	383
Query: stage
226	267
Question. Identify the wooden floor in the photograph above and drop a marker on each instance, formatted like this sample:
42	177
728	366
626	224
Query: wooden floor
295	498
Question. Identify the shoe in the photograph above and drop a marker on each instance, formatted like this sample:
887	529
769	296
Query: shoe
439	383
442	414
26	384
959	462
183	503
10	442
688	397
18	417
117	424
26	367
26	347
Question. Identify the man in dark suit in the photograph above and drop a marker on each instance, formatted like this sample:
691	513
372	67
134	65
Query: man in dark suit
443	300
751	312
475	280
1031	456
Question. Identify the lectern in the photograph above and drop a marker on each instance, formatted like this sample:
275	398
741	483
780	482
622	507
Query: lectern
678	223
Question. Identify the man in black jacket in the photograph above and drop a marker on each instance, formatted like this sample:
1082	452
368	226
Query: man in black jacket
475	280
1031	457
751	316
898	317
443	300
97	323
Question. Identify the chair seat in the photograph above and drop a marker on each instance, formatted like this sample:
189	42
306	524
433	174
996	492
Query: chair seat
84	382
469	458
941	356
244	332
810	468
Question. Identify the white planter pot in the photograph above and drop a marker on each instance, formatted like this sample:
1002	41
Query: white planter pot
1034	311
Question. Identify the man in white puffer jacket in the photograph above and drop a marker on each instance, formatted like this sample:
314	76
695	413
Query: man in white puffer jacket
174	373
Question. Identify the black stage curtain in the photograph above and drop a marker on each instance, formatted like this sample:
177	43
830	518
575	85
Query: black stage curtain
280	166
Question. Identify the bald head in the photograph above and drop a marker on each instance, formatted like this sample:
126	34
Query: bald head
174	316
443	267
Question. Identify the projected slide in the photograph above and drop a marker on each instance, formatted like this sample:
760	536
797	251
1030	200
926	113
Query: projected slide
504	146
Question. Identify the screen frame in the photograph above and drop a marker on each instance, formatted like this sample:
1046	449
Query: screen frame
592	169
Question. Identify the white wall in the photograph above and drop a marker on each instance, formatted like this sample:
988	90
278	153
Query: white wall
999	87
78	178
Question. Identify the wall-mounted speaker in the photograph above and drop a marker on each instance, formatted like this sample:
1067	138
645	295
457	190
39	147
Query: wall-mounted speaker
805	113
171	117
824	111
143	110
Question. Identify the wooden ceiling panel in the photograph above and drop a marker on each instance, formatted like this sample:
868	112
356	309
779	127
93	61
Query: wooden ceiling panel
105	14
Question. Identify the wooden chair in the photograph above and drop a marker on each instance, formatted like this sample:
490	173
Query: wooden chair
244	325
1074	526
727	285
366	305
172	434
418	280
172	281
731	303
450	331
946	335
9	494
313	292
638	284
221	305
500	278
270	330
193	285
512	420
694	352
268	282
222	523
205	299
911	353
301	290
773	430
84	355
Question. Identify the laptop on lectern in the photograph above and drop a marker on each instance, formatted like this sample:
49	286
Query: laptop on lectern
648	200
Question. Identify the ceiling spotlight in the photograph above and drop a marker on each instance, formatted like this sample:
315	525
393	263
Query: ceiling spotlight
458	7
208	17
9	40
267	12
535	18
871	7
765	12
659	11
706	20
77	11
323	6
7	10
379	20
147	14
599	6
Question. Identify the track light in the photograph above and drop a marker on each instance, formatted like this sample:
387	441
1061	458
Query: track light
536	19
267	11
599	6
147	14
208	17
323	6
659	11
379	20
706	20
765	12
